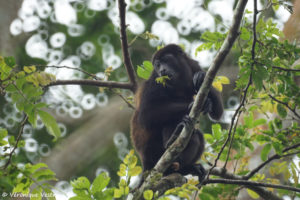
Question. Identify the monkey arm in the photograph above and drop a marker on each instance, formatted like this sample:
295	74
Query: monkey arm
163	112
213	104
217	109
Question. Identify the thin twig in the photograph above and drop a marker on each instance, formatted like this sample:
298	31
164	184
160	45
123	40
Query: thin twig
285	69
276	156
124	44
236	120
252	183
124	99
73	68
285	104
245	91
17	142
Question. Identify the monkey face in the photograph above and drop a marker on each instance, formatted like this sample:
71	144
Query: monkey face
167	65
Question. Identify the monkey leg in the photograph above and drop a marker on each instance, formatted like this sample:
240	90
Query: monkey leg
196	170
185	163
186	122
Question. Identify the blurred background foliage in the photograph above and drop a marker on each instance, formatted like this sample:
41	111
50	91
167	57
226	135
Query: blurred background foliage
85	35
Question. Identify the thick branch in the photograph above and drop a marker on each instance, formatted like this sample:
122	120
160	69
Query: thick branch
108	84
266	194
175	180
183	139
124	43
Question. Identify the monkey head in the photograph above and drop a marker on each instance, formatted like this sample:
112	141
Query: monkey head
171	61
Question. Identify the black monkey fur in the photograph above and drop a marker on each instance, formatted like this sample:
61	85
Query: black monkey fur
162	111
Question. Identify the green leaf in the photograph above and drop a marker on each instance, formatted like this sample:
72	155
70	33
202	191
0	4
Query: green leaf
148	65
259	122
10	61
249	120
278	123
21	188
148	194
50	123
135	171
245	34
252	194
249	145
145	70
33	168
265	152
216	131
11	140
162	80
44	174
118	193
81	187
3	133
20	82
32	115
259	75
29	69
49	194
80	198
11	88
278	147
4	69
36	194
108	194
81	183
122	171
281	110
100	183
206	196
209	138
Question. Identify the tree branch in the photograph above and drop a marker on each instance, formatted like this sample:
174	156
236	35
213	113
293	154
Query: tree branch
17	142
266	194
232	35
238	110
108	84
176	180
285	69
276	156
285	104
252	184
177	147
126	58
124	44
72	68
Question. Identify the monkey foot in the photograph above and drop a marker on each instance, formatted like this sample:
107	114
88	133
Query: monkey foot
175	166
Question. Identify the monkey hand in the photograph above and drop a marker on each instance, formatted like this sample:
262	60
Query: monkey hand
207	107
198	79
186	122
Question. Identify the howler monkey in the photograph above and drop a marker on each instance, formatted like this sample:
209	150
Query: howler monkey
162	110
